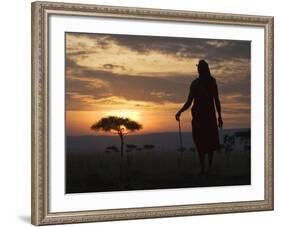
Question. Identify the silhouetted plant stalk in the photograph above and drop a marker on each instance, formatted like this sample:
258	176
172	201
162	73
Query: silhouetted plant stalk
229	142
244	137
130	149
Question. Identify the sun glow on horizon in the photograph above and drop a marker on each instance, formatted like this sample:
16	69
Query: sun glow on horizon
131	114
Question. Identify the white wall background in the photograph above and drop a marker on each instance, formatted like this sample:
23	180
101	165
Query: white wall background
15	111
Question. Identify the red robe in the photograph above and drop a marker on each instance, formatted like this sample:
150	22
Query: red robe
204	122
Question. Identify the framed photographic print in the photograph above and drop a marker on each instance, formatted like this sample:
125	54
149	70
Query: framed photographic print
145	113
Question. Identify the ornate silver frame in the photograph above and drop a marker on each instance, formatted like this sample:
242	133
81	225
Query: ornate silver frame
40	192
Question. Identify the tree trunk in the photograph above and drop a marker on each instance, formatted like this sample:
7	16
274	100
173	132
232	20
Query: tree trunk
122	144
121	155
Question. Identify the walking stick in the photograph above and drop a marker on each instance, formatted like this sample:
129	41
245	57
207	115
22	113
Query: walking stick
181	149
180	136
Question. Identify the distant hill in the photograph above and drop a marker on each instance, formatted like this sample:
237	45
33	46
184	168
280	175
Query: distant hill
162	141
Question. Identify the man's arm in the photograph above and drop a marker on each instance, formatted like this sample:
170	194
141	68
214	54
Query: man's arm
187	104
218	105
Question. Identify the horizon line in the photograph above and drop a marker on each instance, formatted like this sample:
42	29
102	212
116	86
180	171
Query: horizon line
136	134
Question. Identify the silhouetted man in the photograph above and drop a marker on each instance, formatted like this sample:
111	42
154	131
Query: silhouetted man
204	94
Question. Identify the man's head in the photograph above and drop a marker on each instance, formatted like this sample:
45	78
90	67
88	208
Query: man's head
203	68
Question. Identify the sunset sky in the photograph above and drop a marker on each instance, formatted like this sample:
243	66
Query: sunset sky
147	78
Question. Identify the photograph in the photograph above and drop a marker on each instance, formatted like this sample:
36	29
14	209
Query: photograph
156	112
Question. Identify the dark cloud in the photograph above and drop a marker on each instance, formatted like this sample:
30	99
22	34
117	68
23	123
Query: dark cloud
243	99
233	50
212	49
138	88
102	40
234	86
186	47
80	53
71	65
112	66
236	111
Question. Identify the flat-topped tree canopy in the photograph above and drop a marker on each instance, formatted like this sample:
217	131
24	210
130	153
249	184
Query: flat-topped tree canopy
118	124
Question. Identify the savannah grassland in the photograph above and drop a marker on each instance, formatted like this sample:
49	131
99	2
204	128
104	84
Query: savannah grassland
94	168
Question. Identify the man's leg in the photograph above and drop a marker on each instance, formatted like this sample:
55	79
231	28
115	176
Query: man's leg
202	161
210	160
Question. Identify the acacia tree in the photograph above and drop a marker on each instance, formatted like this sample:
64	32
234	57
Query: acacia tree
117	125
